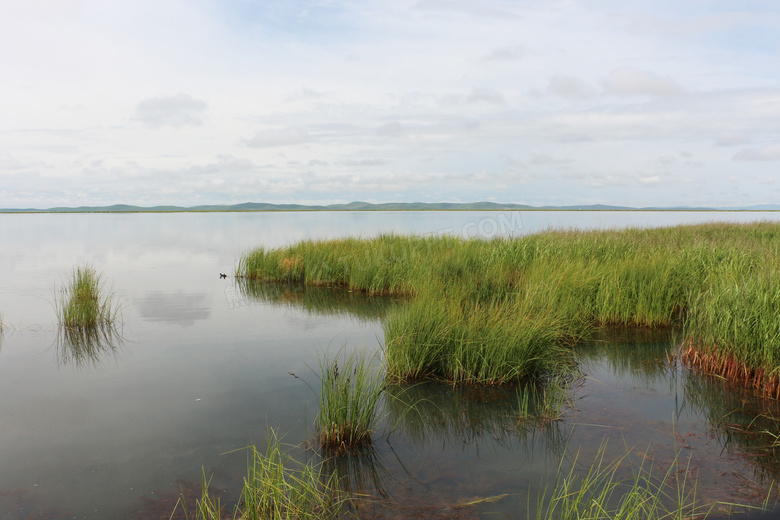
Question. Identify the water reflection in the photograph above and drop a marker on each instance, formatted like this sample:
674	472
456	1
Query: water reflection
324	301
179	308
83	347
747	426
640	354
361	471
432	413
638	364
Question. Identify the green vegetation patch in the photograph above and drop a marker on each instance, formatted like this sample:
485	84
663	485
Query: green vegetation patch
599	493
500	311
83	302
350	388
277	486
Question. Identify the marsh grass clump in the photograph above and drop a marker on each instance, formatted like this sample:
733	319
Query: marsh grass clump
350	390
734	329
278	487
83	303
438	336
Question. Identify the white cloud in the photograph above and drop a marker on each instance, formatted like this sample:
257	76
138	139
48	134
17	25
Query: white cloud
176	111
484	8
542	159
570	87
391	129
649	179
361	163
730	139
507	54
485	95
766	153
628	81
449	93
282	137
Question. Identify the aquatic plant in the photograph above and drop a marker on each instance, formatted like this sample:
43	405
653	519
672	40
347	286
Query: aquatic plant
501	311
599	493
82	302
733	329
350	388
278	486
454	340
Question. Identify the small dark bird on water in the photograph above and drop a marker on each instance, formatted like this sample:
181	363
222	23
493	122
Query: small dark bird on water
222	275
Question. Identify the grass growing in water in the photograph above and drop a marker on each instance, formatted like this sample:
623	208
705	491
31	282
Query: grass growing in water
600	494
350	388
501	311
82	302
278	487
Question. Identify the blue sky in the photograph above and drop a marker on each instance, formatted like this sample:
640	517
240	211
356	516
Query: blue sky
642	103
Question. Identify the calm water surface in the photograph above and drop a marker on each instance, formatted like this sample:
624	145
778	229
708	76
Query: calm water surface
202	370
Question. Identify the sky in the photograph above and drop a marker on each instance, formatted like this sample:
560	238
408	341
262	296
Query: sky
542	102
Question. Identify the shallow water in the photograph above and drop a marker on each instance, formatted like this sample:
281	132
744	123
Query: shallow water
201	368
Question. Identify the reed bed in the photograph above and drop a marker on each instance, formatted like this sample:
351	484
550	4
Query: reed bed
501	311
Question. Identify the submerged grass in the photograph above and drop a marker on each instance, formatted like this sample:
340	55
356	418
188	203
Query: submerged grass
600	493
501	311
83	303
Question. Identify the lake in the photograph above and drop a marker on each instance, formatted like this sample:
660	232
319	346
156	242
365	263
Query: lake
201	369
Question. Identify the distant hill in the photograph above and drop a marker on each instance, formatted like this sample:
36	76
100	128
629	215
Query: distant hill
263	206
367	206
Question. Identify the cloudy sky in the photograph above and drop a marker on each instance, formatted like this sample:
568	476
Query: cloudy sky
186	102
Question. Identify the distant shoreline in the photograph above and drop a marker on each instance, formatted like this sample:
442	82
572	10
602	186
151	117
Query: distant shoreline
251	207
